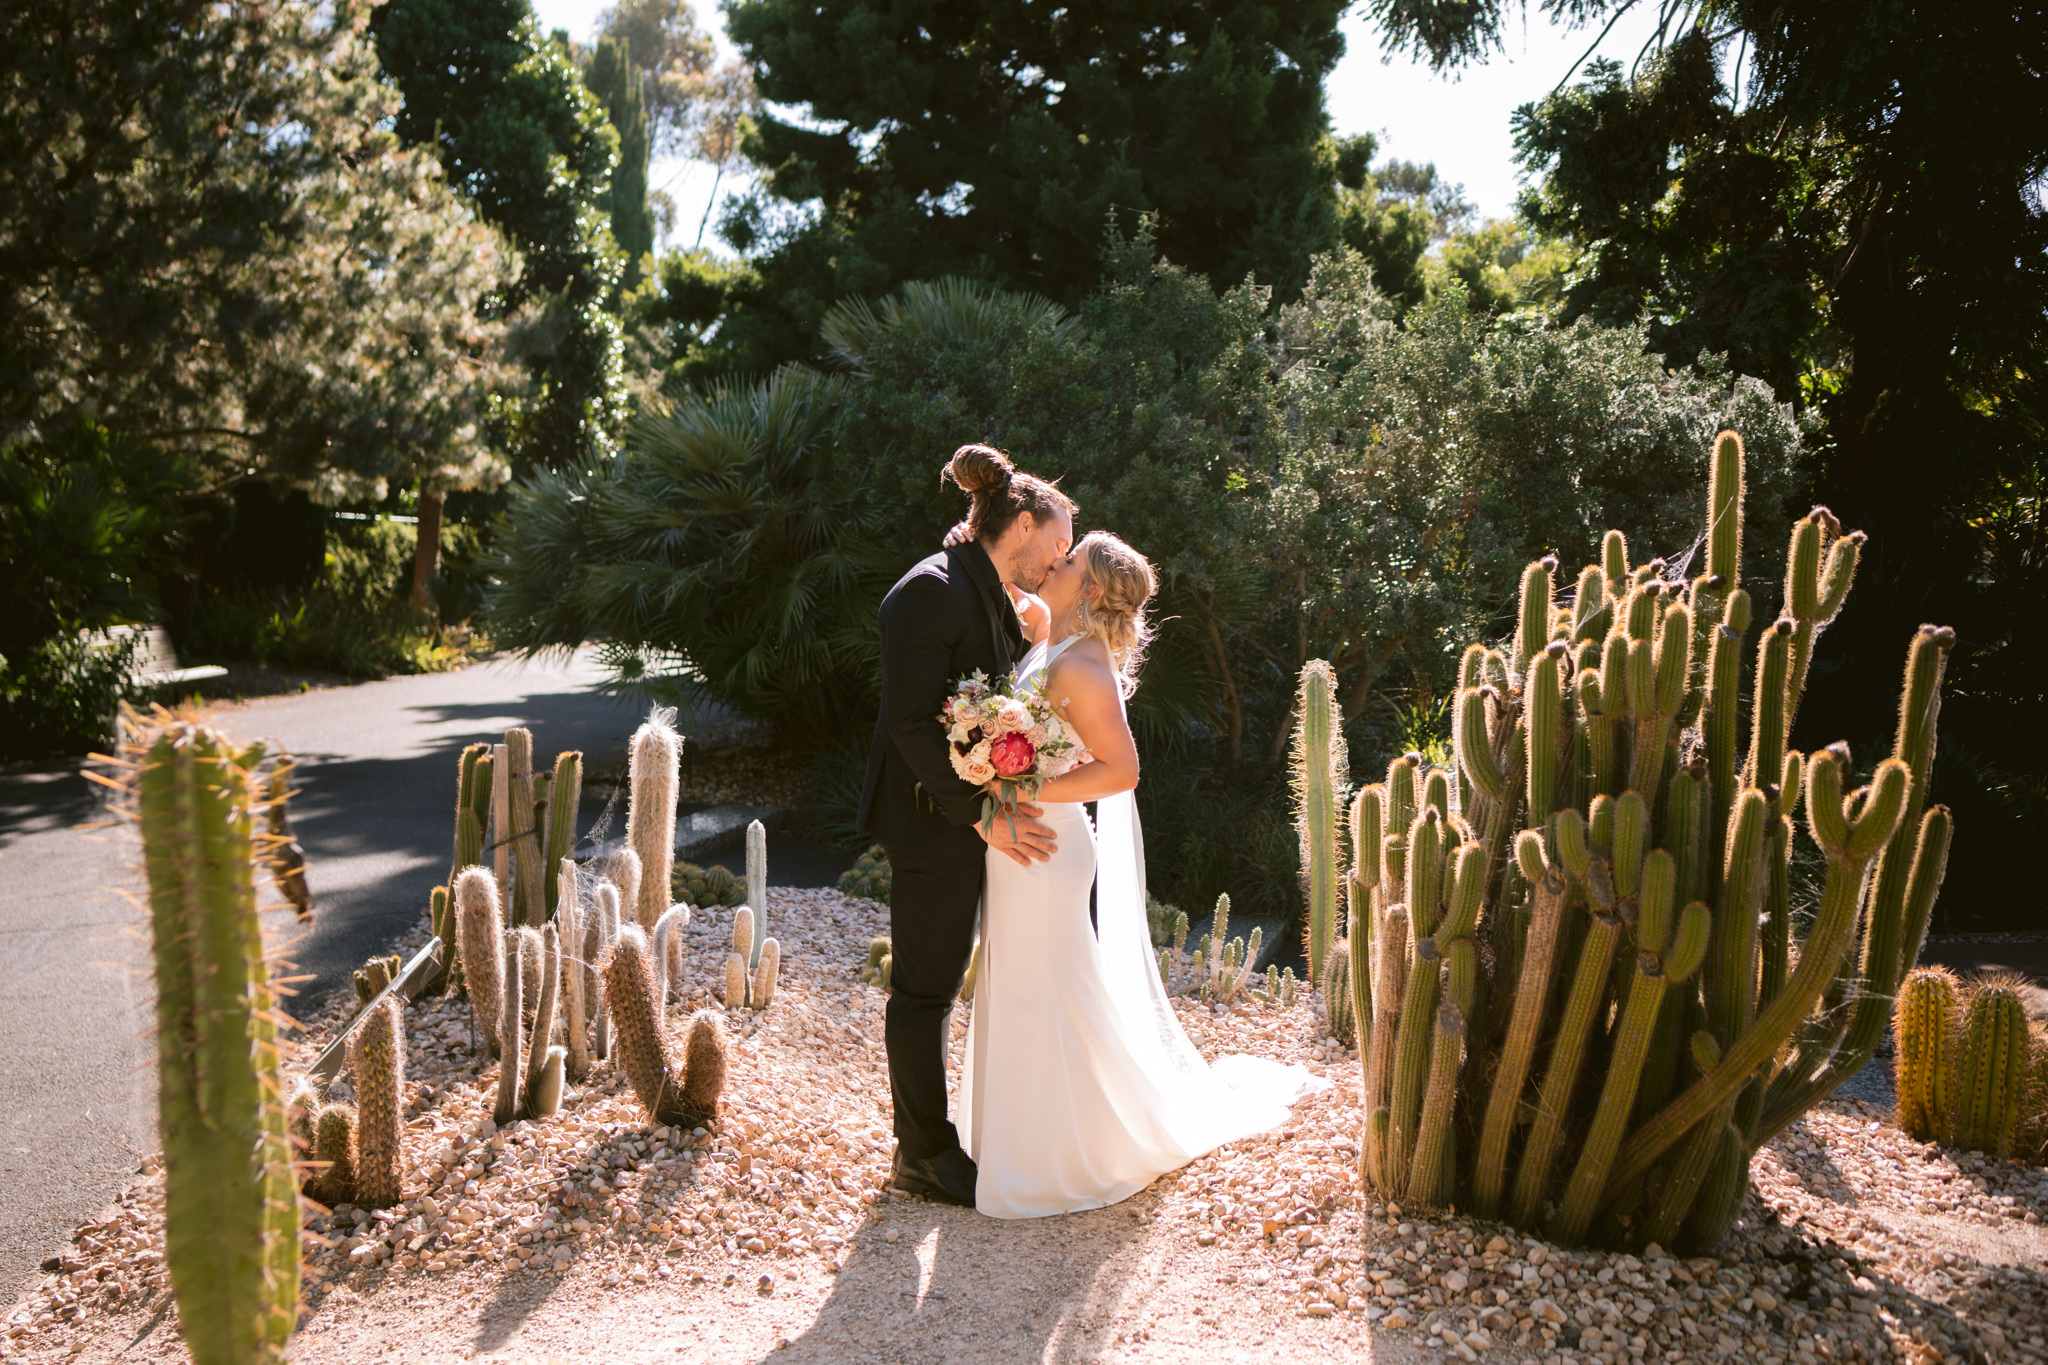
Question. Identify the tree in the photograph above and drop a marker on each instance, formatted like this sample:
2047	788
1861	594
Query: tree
205	200
994	142
616	82
524	139
672	54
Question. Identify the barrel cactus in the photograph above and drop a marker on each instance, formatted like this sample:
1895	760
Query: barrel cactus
1924	1025
1991	1070
231	1217
1580	1002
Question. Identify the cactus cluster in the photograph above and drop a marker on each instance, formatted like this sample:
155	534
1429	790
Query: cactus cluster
681	1092
1971	1067
756	959
1221	969
870	876
231	1218
1575	983
714	885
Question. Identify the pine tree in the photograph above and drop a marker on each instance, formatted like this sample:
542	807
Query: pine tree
995	140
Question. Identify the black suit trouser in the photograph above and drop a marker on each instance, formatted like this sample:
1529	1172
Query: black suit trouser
933	901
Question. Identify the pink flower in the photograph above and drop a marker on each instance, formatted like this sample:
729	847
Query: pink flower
979	771
1012	715
1012	754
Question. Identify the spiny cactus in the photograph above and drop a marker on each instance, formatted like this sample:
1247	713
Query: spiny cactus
622	870
1578	996
333	1177
576	981
1924	1025
1991	1071
479	934
282	852
565	794
1320	778
527	878
231	1220
543	1090
870	876
378	1052
668	952
757	888
653	768
511	1029
761	989
678	1093
876	972
1338	1003
598	940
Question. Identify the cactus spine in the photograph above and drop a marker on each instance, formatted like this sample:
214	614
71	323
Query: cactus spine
511	1029
653	769
1925	1079
681	1094
1633	1059
231	1221
1992	1070
1319	781
378	1052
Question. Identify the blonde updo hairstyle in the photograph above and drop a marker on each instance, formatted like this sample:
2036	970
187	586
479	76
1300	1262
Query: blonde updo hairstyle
1001	491
1115	615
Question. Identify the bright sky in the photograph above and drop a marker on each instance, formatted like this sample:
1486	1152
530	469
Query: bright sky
1461	125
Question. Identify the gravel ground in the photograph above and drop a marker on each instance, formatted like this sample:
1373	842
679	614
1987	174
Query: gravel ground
595	1232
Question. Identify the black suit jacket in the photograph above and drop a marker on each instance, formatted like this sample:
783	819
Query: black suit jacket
946	618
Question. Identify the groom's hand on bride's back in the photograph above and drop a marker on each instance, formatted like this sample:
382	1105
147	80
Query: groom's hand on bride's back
1033	841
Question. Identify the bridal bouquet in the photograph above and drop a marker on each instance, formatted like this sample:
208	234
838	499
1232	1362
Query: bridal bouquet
1016	741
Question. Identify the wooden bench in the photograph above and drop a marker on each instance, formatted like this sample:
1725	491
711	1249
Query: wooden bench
156	662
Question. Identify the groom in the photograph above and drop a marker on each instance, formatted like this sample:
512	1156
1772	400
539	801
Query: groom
948	617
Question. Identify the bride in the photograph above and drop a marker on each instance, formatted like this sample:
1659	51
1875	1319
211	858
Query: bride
1080	1088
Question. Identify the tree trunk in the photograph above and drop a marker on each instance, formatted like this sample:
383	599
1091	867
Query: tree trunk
426	557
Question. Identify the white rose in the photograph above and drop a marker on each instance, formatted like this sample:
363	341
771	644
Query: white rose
1012	715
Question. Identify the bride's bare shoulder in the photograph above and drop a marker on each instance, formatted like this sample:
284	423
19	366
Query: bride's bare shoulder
1082	663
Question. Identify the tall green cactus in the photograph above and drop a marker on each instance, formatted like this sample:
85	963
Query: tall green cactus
231	1218
565	793
1619	857
1924	1028
1991	1071
528	899
1320	778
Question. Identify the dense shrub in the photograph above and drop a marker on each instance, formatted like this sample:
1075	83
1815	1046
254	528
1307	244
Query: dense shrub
1312	481
61	696
354	618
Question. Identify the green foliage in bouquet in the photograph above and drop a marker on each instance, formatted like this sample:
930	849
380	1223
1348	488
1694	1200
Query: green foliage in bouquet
1586	1005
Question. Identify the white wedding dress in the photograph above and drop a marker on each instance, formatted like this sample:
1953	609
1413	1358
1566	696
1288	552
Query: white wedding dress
1080	1087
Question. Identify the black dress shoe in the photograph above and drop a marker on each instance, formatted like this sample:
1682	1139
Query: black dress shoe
947	1177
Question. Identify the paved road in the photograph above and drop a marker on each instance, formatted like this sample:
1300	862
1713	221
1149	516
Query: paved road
377	792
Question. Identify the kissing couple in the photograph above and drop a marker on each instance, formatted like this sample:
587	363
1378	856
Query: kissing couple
1080	1087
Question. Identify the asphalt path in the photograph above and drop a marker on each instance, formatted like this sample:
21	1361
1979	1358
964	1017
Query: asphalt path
375	809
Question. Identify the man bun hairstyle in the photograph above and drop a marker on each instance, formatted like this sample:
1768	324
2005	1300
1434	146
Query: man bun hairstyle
1000	491
1124	583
